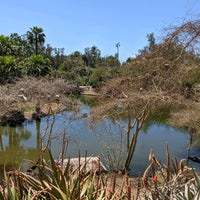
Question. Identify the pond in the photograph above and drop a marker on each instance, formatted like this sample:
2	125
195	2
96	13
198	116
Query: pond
107	141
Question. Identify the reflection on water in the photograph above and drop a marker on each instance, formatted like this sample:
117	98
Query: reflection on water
107	141
14	147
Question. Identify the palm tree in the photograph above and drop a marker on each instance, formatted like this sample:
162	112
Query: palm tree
36	38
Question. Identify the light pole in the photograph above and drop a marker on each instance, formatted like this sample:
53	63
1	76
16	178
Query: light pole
117	54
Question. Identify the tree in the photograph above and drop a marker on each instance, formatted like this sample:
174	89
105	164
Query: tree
152	43
59	57
5	46
73	68
151	40
19	46
14	45
110	61
36	38
98	75
92	56
72	61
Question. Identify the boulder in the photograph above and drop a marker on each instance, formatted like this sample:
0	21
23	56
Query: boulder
86	164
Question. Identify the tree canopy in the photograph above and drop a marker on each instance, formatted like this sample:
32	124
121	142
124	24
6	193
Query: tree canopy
31	57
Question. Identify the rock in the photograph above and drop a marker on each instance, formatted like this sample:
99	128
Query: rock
48	109
86	164
88	90
23	97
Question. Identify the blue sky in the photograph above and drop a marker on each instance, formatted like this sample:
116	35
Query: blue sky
77	24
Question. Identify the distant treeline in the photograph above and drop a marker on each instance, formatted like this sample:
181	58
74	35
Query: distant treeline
27	55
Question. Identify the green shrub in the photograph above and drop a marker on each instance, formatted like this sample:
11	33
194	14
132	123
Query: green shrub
9	68
36	65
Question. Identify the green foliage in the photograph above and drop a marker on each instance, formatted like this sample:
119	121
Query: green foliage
79	74
92	56
110	62
73	69
14	46
36	65
102	74
9	68
150	46
72	61
66	66
36	39
19	46
56	57
5	46
189	82
98	75
91	101
36	60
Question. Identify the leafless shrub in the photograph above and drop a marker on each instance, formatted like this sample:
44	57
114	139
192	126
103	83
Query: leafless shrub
37	88
28	91
168	74
186	36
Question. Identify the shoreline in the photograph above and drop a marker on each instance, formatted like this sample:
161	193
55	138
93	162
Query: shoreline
54	96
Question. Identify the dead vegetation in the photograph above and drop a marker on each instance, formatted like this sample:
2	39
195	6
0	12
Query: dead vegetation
25	94
124	90
168	74
174	180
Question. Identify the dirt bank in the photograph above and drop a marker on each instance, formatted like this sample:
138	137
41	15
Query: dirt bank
34	98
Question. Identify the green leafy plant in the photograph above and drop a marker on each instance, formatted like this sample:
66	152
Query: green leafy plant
36	65
9	68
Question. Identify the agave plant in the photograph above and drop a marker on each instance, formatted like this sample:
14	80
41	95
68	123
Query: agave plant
191	189
181	182
51	181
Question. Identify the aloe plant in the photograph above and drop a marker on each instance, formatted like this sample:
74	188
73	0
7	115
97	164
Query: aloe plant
182	183
51	181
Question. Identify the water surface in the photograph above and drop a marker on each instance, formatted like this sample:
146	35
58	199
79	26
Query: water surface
106	141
